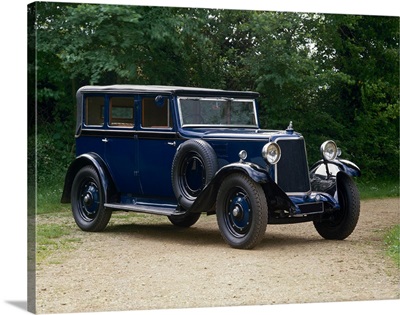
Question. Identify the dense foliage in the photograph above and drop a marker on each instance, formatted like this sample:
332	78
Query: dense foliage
334	76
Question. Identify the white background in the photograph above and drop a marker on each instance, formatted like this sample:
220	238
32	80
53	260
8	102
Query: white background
13	166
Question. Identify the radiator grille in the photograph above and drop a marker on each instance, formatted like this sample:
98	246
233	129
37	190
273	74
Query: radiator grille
292	170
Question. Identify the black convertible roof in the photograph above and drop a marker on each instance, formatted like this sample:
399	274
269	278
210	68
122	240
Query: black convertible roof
172	90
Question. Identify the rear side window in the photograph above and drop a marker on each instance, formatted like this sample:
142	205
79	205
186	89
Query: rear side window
94	111
156	112
121	112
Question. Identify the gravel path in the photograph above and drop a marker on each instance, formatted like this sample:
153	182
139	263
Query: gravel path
144	262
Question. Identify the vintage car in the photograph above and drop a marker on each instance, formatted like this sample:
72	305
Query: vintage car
180	152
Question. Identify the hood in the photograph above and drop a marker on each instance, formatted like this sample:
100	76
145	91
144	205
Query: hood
230	133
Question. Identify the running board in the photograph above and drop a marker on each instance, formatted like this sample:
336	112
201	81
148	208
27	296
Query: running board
150	209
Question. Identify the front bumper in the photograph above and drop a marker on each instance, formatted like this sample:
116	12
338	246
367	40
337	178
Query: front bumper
314	203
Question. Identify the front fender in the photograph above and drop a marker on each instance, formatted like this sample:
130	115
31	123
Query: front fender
323	175
336	166
84	160
275	196
255	172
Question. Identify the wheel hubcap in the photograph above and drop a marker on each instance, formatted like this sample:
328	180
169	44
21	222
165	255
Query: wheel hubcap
90	201
238	213
87	200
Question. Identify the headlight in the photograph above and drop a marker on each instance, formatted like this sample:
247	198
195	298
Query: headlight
242	155
329	150
271	152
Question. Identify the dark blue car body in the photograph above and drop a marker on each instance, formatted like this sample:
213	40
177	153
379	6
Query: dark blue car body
155	149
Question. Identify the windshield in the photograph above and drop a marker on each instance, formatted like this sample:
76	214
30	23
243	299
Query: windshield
217	112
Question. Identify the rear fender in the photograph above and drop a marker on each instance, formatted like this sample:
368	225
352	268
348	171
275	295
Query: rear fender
101	168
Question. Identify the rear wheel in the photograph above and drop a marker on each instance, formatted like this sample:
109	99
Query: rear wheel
242	211
87	200
184	220
342	222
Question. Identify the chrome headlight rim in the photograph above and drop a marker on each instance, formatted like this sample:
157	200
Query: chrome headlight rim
271	153
242	155
329	150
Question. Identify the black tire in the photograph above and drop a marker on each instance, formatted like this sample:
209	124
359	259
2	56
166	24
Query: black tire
194	165
343	222
185	220
242	211
87	201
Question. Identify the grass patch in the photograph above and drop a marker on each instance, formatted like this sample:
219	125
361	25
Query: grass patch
392	242
49	232
373	189
49	199
51	238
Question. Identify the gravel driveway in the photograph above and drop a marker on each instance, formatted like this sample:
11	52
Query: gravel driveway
144	262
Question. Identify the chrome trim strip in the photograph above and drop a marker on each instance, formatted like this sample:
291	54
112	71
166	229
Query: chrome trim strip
130	131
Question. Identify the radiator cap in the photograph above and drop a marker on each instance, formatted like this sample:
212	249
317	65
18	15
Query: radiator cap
289	129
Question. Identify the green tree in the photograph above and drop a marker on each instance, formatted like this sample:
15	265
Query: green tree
365	88
334	76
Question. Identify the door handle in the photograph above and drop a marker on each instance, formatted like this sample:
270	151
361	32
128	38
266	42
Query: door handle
105	140
172	143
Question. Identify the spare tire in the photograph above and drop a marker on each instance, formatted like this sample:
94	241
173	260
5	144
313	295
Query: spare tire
194	165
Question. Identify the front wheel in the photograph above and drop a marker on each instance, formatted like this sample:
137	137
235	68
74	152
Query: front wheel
342	222
87	200
242	211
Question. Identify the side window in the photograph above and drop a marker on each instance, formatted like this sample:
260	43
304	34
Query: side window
156	112
94	108
121	111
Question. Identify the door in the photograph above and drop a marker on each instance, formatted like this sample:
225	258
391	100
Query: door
121	144
157	143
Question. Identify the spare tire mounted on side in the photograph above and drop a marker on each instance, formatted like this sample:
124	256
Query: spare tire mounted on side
194	165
